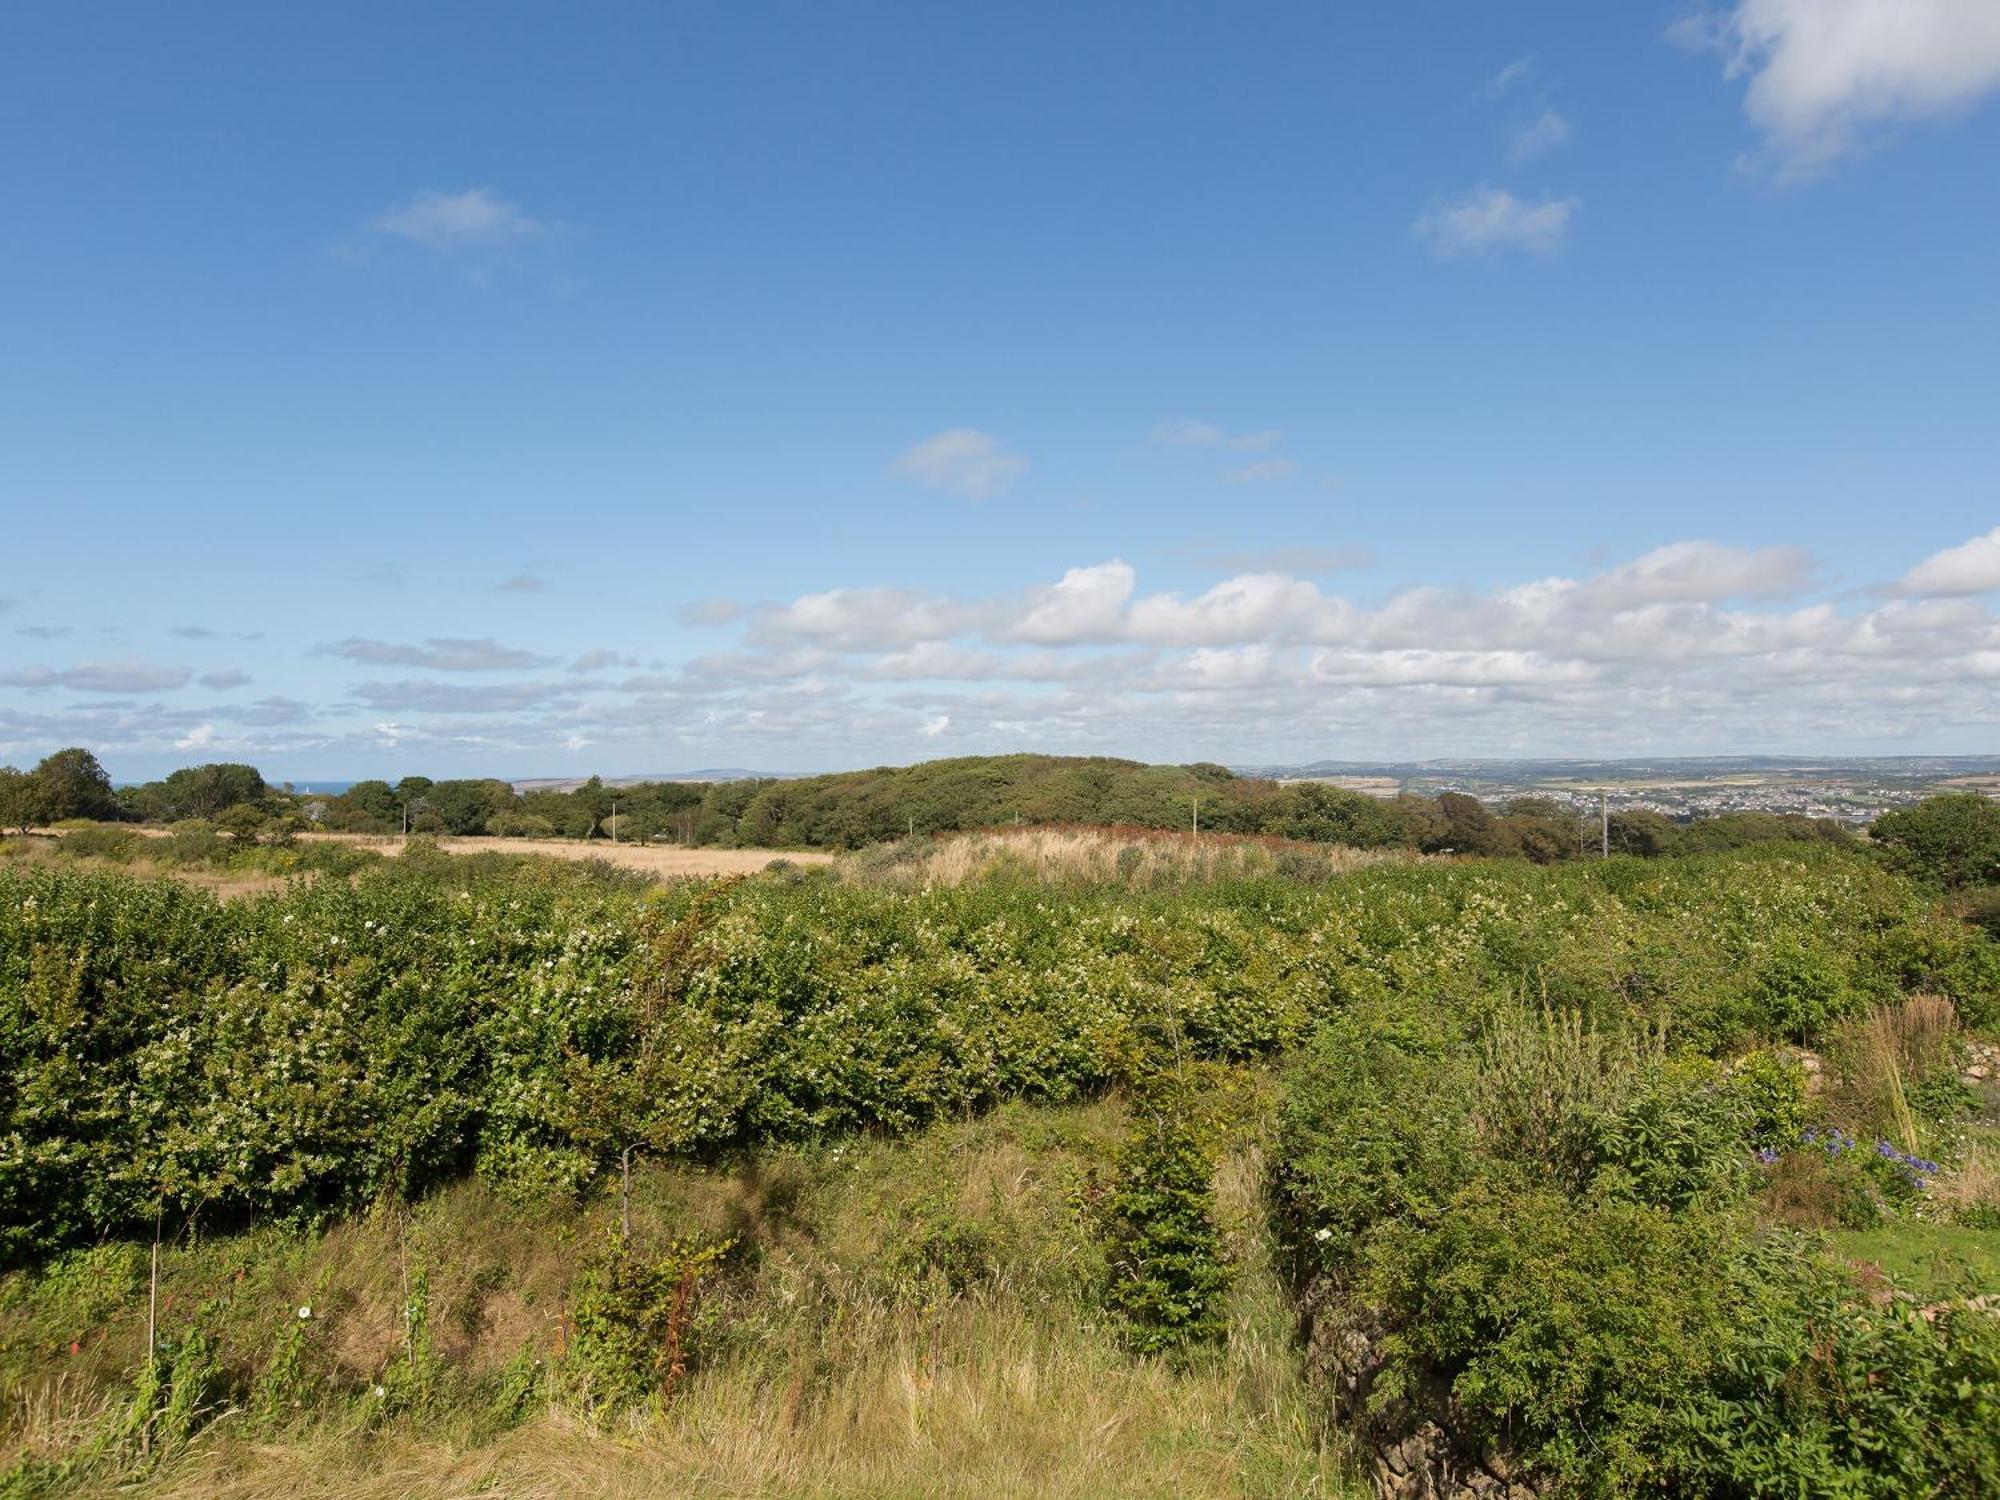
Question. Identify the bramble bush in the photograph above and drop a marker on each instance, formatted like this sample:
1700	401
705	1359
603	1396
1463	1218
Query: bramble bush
164	1056
1547	1231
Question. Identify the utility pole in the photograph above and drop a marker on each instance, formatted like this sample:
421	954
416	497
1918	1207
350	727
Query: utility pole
1197	818
614	820
1604	819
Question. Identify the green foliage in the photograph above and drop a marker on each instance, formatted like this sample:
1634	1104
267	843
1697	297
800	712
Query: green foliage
636	1320
1165	1270
1771	1090
106	841
1952	840
1547	1227
71	784
309	1052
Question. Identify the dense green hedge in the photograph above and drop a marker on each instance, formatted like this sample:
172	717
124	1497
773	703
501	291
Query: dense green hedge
165	1054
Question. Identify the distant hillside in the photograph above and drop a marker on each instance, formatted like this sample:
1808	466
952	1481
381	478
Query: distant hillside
849	809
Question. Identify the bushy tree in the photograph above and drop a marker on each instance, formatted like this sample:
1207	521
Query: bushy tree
1953	839
73	785
20	800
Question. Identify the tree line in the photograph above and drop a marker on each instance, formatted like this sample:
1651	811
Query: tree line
1953	840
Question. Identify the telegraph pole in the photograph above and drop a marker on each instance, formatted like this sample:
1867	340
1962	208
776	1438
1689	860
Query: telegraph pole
1197	819
1604	819
614	820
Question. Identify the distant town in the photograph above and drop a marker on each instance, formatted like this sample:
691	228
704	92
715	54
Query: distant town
1854	791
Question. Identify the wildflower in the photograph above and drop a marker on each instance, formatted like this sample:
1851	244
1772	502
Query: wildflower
1323	1235
381	1391
1767	1156
305	1312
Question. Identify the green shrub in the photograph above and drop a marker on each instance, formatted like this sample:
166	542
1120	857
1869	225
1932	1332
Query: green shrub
1165	1271
1548	1233
105	841
635	1320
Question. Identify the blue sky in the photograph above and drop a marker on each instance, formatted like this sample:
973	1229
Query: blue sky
547	389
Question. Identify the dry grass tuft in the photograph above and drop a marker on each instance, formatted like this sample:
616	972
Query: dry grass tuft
1882	1055
1139	857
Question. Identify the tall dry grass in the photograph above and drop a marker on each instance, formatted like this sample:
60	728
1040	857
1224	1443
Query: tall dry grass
1142	858
1882	1056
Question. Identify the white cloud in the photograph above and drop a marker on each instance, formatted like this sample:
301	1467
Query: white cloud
454	698
1825	75
438	654
1704	571
936	726
1087	604
1491	219
1208	435
1263	471
223	682
127	676
475	219
1969	568
962	461
598	659
708	612
1540	136
197	738
1519	71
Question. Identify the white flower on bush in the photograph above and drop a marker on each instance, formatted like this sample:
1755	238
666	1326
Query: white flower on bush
1323	1235
305	1312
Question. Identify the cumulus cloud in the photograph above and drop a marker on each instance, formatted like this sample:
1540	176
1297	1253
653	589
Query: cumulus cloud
223	681
1969	568
1704	571
1490	219
439	654
1825	76
473	219
1086	604
1693	646
127	676
962	461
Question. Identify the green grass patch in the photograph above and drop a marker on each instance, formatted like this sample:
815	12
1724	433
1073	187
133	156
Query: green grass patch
1932	1260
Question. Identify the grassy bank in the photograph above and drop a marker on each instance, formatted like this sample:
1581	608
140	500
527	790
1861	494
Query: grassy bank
916	1317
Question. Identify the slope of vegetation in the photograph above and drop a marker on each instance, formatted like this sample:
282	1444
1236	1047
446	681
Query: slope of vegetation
839	1182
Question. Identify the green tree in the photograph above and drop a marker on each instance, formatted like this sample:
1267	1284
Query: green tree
73	785
365	807
1647	834
242	823
1953	839
207	791
20	800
